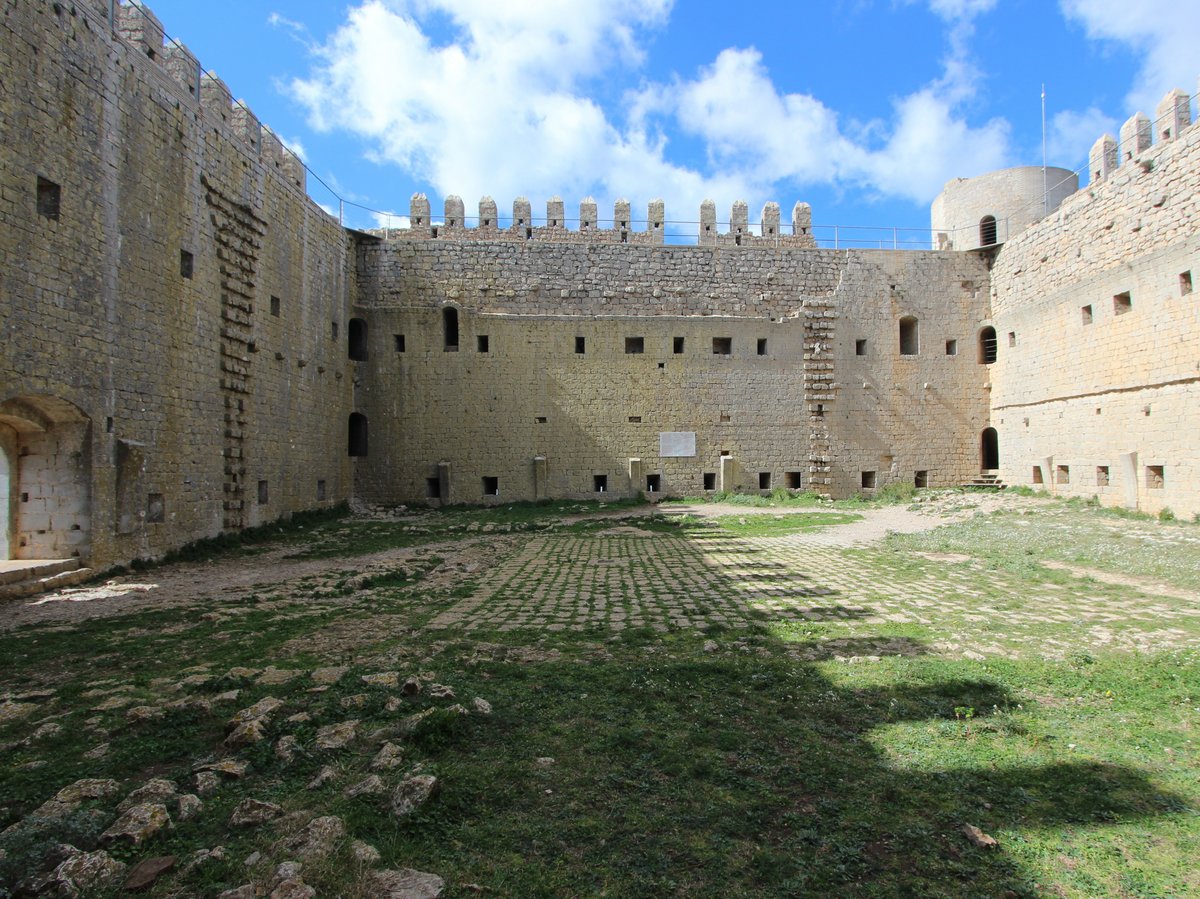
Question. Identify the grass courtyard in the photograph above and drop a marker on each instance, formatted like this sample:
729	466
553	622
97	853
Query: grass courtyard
618	701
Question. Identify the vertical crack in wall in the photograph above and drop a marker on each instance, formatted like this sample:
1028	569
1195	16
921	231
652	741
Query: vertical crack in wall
238	234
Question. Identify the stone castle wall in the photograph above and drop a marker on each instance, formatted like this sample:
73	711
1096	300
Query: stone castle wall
146	388
1096	387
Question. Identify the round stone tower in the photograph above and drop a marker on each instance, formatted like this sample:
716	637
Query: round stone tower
978	212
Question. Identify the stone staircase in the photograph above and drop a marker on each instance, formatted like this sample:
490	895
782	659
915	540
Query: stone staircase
21	578
986	480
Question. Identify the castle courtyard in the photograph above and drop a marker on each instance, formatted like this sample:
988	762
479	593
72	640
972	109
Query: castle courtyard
958	693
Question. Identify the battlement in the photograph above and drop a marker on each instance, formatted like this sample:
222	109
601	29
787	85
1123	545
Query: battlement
555	226
138	26
1139	134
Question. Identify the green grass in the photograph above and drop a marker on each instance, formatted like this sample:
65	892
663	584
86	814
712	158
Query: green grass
771	760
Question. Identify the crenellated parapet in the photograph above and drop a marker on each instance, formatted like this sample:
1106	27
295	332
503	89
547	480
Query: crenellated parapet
623	228
1139	135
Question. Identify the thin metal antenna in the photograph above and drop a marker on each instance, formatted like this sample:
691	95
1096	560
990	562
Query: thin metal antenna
1045	181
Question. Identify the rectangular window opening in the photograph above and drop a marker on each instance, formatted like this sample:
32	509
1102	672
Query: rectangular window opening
187	264
600	483
580	345
1037	474
762	346
860	347
1155	478
275	305
1101	475
1062	474
398	341
951	347
635	419
1122	303
1185	283
1085	313
491	486
262	493
677	345
653	483
49	199
541	420
764	480
795	480
722	346
320	491
634	345
481	343
710	480
333	330
867	480
433	488
1012	338
921	479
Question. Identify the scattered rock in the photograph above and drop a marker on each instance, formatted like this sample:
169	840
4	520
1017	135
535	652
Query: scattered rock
193	680
194	703
88	788
711	646
357	701
227	696
15	711
49	729
245	891
364	853
113	703
97	752
320	837
299	718
156	790
413	792
188	806
335	736
234	768
323	777
370	786
394	704
441	691
206	782
293	889
406	884
86	873
141	713
978	837
457	709
285	748
260	711
482	706
389	756
253	812
148	870
410	724
544	762
200	856
274	677
246	734
411	687
388	679
329	676
288	871
252	859
241	673
138	823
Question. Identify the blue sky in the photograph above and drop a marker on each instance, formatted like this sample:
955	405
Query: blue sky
862	108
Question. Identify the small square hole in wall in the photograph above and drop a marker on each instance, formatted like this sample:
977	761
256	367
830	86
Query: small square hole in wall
24	497
710	480
1085	313
762	346
263	495
491	486
662	365
398	342
635	419
764	480
860	347
724	416
677	345
1122	303
1185	283
951	347
600	483
724	453
1101	475
1012	338
580	345
819	412
156	508
1155	479
275	305
433	488
795	480
867	480
49	199
481	343
634	345
187	264
1062	474
653	483
320	491
722	346
1037	474
921	479
540	420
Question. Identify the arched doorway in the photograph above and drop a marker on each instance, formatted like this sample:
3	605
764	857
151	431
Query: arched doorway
990	450
45	443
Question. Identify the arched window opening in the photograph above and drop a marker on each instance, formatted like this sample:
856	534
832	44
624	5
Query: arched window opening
358	434
450	328
910	342
987	230
358	340
990	450
987	346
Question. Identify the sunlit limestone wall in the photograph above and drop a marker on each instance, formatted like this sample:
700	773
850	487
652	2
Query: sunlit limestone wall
1095	388
564	371
147	223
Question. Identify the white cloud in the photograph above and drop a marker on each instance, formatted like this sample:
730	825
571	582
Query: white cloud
1071	135
1165	33
476	97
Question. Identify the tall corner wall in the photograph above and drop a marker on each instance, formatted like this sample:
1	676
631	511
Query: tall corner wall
1096	390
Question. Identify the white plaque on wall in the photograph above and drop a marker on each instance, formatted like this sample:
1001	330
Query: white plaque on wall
676	443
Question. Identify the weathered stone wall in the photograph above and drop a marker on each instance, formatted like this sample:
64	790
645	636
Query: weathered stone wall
180	387
795	415
1099	333
1014	199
